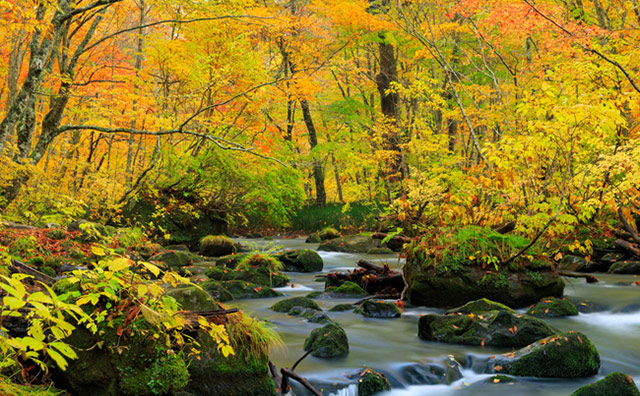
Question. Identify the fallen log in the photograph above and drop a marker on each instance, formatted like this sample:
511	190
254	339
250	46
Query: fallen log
372	267
286	373
275	375
22	268
628	246
590	278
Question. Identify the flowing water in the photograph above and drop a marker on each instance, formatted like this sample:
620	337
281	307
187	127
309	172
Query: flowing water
392	346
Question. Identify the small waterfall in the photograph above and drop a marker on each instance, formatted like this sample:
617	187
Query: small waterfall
351	390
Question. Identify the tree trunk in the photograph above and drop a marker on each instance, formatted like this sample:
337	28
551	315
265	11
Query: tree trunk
318	172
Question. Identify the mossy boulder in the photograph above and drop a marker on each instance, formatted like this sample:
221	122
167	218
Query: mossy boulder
491	328
565	355
301	260
176	259
553	307
231	260
345	290
329	341
480	306
260	275
217	291
372	382
571	262
360	243
286	304
625	267
325	234
312	315
241	289
193	298
435	287
616	383
342	308
378	309
216	246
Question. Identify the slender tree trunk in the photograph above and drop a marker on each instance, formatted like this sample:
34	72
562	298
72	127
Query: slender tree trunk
318	172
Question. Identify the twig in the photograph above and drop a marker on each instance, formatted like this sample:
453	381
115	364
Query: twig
288	373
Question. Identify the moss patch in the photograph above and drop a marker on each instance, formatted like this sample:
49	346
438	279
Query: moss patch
616	383
216	246
553	307
287	304
347	289
372	382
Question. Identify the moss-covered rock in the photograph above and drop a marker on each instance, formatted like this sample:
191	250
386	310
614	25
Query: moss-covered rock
241	289
553	307
217	246
258	272
176	259
565	355
360	243
625	267
193	298
286	304
301	260
231	260
378	309
312	315
342	308
327	342
478	307
325	234
347	289
616	383
217	291
372	382
380	250
492	328
314	294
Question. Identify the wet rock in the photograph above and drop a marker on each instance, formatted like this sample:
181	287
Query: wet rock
553	307
611	258
325	234
631	308
301	260
616	383
565	355
586	306
286	304
573	263
241	289
327	342
479	307
502	328
378	309
176	259
312	315
346	290
217	291
231	260
260	275
342	308
179	248
372	382
315	294
216	246
193	298
380	250
360	243
625	267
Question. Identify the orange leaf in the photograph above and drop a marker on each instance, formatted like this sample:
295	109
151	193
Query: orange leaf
497	368
119	331
580	339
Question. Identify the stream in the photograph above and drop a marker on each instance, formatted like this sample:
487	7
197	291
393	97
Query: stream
392	346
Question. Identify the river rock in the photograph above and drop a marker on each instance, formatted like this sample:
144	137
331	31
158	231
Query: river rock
360	243
625	267
573	263
261	276
479	307
216	246
342	308
193	298
323	235
176	259
553	307
616	383
429	286
301	260
312	315
432	374
241	289
501	328
378	309
372	382
216	291
327	342
287	304
565	355
345	290
230	260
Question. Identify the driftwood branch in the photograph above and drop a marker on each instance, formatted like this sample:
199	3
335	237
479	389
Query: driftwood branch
371	266
590	278
628	227
286	373
275	375
628	246
17	266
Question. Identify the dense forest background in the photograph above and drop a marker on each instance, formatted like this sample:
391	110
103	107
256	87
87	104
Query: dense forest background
243	112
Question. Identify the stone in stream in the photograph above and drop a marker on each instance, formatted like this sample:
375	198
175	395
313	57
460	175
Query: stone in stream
301	260
176	259
360	243
261	273
553	307
312	315
238	289
573	263
342	308
217	291
378	309
230	260
325	234
565	355
372	382
329	341
501	327
345	290
616	383
286	304
216	246
625	267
